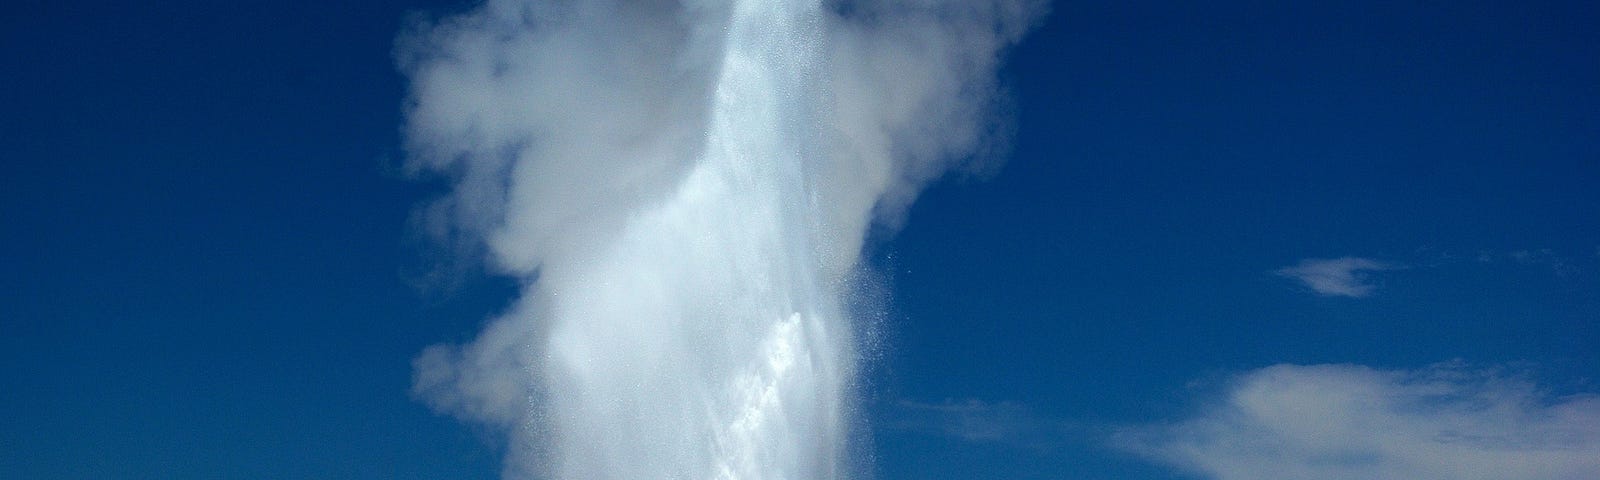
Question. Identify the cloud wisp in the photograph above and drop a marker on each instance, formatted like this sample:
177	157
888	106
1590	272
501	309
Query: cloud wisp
1336	277
1347	421
970	420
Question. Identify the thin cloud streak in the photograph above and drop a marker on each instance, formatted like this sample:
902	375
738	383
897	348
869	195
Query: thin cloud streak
970	420
1336	277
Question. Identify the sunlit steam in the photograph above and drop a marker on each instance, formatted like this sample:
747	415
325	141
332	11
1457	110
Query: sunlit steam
684	188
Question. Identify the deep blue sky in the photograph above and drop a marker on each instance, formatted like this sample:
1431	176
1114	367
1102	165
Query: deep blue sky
208	271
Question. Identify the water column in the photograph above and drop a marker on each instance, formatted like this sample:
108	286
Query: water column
703	341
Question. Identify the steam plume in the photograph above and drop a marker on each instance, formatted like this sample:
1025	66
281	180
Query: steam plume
684	188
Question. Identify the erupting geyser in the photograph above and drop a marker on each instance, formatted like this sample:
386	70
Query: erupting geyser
684	188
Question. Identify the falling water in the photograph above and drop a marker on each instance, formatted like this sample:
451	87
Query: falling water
685	192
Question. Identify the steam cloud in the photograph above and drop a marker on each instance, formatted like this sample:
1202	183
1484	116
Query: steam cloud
684	188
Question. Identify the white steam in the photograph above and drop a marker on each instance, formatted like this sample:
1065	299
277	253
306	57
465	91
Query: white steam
684	188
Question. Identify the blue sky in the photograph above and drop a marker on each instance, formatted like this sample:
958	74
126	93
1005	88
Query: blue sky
209	269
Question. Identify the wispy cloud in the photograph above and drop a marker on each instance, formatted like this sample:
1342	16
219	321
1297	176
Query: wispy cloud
974	421
1545	258
1348	421
1336	277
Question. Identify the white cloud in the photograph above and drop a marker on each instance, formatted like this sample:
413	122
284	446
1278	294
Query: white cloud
1545	258
970	420
1355	422
1335	277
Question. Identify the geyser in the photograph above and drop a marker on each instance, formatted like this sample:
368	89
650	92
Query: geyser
684	189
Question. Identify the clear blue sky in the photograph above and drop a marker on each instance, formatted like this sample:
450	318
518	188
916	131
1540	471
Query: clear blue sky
208	271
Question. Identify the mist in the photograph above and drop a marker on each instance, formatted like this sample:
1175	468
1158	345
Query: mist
684	191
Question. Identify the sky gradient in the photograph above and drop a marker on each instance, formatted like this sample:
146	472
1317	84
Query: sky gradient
212	268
